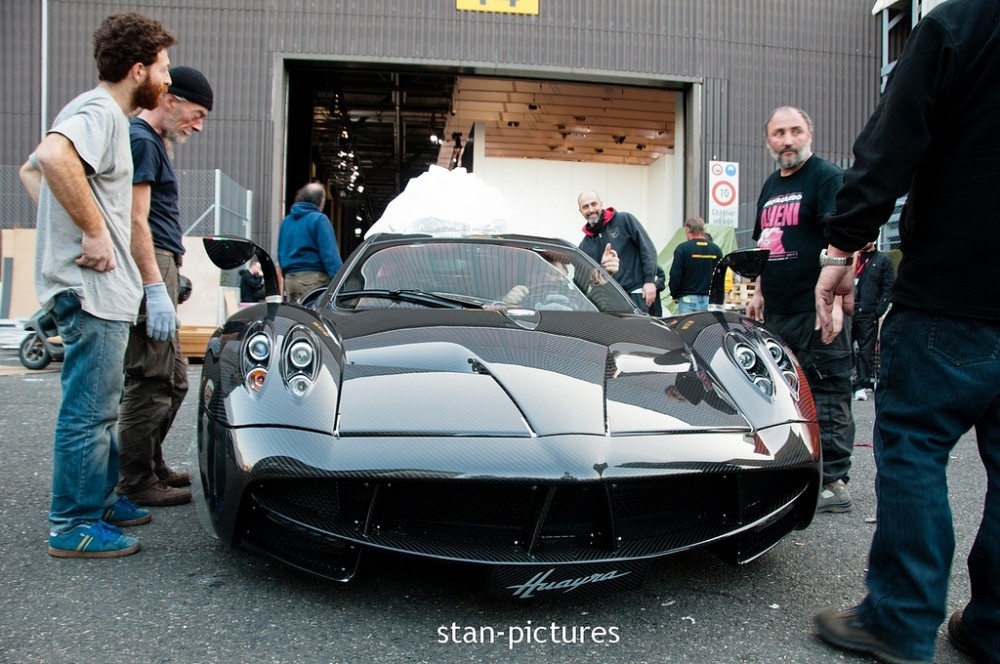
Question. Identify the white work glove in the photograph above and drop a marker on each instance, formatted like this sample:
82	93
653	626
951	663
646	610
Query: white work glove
161	319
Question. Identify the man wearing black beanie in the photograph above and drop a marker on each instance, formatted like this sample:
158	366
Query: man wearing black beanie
190	84
155	368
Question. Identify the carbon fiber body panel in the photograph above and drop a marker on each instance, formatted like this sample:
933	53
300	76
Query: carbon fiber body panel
561	448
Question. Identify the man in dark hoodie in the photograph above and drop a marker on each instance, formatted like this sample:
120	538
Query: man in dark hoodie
608	235
307	247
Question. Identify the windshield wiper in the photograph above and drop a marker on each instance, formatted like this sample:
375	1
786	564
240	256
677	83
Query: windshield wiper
414	295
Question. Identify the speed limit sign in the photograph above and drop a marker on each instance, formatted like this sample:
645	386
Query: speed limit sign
723	193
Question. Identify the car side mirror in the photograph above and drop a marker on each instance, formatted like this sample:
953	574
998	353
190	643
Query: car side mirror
748	263
229	252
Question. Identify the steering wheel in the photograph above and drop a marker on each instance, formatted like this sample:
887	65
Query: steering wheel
549	297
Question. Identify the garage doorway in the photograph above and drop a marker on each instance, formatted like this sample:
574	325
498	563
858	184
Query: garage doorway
366	131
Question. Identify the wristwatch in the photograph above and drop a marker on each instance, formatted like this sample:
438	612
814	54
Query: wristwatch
825	260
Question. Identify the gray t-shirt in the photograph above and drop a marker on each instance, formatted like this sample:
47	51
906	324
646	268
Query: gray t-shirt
98	129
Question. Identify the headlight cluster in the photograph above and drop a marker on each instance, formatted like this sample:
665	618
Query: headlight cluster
257	357
299	361
784	363
761	360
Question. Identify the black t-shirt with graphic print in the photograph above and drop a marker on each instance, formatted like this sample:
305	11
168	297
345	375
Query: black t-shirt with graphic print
789	222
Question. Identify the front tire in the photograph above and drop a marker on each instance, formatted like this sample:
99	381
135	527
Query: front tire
33	353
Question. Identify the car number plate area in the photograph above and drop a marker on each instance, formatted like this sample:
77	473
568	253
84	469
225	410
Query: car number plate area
571	581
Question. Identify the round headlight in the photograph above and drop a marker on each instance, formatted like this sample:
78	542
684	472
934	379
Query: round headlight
259	347
764	385
299	385
745	356
255	379
301	354
777	352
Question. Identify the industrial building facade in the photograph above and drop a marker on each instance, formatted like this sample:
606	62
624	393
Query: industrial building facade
540	98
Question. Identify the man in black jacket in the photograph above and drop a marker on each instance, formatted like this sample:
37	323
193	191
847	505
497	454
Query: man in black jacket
934	134
252	282
609	234
873	277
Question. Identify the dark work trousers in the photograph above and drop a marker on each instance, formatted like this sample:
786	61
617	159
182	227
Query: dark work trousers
656	309
155	385
300	284
864	332
828	370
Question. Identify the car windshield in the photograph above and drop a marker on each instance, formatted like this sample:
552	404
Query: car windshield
471	274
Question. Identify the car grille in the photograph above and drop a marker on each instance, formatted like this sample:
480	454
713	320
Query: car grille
513	522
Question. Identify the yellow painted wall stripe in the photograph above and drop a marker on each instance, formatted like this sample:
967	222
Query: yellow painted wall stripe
500	6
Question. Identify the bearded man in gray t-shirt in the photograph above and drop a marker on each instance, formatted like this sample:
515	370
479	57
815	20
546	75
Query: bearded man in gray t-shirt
80	176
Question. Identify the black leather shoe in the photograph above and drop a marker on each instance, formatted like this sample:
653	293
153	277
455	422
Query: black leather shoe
959	639
843	629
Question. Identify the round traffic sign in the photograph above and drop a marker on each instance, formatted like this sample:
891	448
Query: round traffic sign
723	193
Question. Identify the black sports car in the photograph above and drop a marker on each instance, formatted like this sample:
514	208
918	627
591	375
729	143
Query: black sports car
498	401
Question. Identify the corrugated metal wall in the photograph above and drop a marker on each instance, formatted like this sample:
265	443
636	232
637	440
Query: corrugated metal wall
752	55
20	123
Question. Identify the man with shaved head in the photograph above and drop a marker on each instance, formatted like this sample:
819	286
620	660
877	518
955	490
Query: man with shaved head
621	245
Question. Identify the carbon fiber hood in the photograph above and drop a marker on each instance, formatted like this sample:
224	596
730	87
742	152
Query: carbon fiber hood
526	374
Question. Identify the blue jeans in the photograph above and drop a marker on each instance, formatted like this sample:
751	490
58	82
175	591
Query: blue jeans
939	378
85	456
690	303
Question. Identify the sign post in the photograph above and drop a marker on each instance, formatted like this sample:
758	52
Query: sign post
723	193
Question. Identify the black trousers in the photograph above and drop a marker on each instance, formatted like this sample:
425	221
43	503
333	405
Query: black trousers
864	332
828	370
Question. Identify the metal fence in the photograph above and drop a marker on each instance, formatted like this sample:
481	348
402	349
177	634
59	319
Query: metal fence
16	209
211	203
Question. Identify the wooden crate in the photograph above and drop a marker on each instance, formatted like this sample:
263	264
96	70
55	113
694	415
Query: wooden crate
740	295
194	340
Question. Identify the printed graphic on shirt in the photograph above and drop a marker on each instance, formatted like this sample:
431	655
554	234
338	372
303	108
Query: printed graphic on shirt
777	214
703	246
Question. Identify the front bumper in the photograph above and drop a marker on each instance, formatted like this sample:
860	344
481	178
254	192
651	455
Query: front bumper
315	502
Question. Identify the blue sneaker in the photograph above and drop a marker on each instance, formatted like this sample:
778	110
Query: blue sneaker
98	540
126	513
